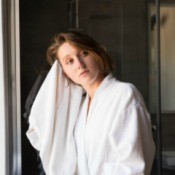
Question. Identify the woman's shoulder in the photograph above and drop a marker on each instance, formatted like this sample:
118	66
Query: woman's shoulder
126	92
123	87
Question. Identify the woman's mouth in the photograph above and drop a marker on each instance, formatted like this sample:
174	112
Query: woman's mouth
83	73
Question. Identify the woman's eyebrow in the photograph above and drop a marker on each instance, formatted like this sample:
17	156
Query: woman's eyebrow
65	57
68	55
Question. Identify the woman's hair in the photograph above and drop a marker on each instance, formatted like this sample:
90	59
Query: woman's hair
83	42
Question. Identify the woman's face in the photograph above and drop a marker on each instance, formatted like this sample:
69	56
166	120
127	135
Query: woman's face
78	64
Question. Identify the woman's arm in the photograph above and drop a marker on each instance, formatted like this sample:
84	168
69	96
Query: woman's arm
132	143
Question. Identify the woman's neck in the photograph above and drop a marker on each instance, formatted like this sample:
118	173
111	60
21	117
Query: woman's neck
91	89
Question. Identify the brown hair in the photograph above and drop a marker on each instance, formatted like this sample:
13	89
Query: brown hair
83	42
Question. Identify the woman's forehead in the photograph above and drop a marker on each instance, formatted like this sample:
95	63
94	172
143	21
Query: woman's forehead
67	49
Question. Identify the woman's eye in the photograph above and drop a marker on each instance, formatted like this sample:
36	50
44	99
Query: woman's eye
84	53
69	61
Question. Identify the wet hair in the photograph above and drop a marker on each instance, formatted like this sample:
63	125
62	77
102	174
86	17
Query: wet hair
82	42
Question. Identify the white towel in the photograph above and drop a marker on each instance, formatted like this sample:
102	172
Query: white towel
52	120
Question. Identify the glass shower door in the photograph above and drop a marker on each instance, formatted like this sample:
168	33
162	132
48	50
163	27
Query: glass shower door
166	83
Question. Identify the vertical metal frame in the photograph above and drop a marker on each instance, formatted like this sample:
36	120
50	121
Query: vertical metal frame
11	49
2	103
159	116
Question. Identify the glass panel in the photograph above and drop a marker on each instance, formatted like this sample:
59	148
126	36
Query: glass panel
153	86
167	28
126	28
167	40
167	58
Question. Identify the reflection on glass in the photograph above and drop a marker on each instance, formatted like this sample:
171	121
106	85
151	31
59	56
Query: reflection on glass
167	47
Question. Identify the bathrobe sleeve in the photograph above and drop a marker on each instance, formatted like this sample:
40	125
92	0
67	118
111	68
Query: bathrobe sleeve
131	142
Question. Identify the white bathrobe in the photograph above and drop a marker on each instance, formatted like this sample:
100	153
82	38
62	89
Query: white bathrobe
114	139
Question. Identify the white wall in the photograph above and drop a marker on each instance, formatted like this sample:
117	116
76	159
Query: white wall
2	103
168	58
167	47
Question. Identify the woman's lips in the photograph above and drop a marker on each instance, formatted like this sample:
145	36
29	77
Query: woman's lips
83	73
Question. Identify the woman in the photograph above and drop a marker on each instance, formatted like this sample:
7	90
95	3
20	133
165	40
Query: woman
112	131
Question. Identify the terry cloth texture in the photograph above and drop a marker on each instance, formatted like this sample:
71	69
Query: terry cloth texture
52	120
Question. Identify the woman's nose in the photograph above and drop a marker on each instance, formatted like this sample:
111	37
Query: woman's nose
80	64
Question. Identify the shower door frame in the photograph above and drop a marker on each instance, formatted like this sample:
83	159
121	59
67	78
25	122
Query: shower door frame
11	69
